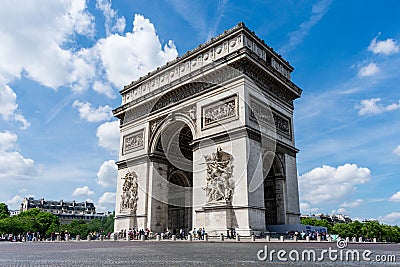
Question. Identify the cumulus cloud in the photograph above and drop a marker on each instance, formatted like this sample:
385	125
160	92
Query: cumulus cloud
106	202
397	150
126	58
373	106
108	198
386	47
108	136
339	211
107	174
9	106
87	112
353	204
45	59
82	191
391	218
395	197
15	202
13	165
328	184
113	23
368	70
306	208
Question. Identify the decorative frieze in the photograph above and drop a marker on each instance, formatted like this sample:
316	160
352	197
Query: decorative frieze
133	142
220	184
129	196
220	111
231	41
260	113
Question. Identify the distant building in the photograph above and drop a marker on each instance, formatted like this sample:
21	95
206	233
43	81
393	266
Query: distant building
332	219
14	212
66	211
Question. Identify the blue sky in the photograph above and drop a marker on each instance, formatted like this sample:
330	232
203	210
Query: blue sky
62	64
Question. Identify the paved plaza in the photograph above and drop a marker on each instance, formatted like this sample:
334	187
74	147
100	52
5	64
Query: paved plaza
178	253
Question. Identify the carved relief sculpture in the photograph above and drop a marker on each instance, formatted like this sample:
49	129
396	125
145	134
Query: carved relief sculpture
133	142
129	196
220	111
220	184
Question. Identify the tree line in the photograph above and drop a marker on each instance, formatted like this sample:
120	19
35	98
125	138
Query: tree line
367	230
45	223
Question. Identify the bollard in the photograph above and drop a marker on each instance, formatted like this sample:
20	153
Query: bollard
237	237
58	238
142	238
308	238
78	238
267	238
128	237
67	237
158	237
253	238
190	237
295	238
374	240
347	240
360	239
329	239
115	237
101	237
89	238
354	239
319	238
173	238
281	238
206	237
221	237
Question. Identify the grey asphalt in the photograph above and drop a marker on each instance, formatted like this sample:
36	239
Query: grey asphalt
178	253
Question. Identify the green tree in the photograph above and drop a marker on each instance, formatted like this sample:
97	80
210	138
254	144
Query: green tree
4	212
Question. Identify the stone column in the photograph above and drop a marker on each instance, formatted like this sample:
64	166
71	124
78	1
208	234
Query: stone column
221	237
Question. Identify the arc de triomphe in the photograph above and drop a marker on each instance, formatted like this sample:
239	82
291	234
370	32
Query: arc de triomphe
207	141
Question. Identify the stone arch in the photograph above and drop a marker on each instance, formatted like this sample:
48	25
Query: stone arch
274	189
166	123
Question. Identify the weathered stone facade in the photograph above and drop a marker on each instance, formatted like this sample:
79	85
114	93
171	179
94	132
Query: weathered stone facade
209	140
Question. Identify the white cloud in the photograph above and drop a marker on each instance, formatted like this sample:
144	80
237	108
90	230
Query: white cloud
306	208
107	174
126	58
87	112
106	202
82	191
397	150
9	106
13	165
391	218
296	37
368	70
372	107
112	22
15	202
104	88
108	198
328	184
387	47
353	204
108	136
45	59
339	211
395	197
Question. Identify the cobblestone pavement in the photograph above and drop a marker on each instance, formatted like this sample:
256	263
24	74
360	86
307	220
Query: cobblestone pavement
179	253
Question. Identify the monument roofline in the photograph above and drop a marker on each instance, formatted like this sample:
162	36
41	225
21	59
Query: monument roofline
256	44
